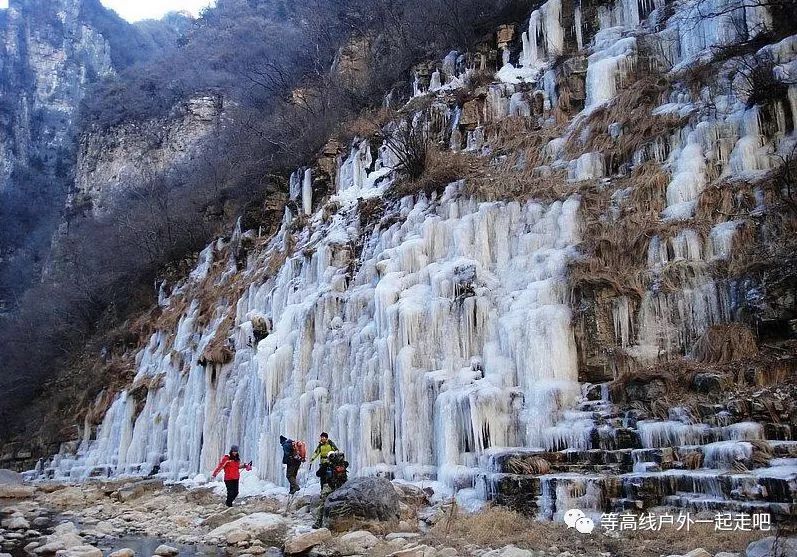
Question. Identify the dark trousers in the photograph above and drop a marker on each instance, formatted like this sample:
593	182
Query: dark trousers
323	471
291	471
232	491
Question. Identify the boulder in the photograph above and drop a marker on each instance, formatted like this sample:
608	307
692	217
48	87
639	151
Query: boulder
510	551
359	541
136	490
65	528
362	499
80	551
60	541
265	526
302	542
710	382
166	550
402	535
699	552
50	548
15	523
9	477
236	537
411	494
16	491
772	547
126	552
73	497
415	551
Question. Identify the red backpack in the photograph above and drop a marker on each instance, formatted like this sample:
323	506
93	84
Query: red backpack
300	450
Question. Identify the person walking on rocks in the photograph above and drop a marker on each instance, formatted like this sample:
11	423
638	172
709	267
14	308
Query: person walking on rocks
231	464
325	446
293	454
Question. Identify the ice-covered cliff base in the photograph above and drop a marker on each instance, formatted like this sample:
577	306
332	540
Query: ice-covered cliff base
585	341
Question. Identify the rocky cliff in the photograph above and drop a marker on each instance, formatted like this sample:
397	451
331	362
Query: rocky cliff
50	56
51	53
111	162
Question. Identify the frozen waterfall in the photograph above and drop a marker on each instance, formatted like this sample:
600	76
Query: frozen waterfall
452	337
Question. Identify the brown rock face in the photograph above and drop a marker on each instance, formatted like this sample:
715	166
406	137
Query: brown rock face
352	62
506	34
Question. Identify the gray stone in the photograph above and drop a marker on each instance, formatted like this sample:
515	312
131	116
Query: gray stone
302	542
15	523
770	547
80	551
510	551
126	552
166	550
128	493
709	382
359	541
362	499
9	477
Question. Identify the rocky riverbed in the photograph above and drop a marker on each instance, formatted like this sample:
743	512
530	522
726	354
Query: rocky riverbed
375	517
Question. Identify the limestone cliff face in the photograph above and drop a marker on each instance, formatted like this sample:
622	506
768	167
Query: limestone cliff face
111	160
50	56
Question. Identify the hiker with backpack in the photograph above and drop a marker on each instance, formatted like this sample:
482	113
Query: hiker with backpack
325	446
231	464
293	454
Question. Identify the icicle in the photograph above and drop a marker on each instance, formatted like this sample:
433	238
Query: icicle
307	192
579	27
435	82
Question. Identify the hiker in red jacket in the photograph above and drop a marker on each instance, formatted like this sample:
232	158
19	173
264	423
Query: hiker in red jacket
231	464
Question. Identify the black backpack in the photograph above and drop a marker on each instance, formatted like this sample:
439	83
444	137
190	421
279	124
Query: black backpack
336	472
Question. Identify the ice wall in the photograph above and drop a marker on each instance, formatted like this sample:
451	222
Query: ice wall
452	337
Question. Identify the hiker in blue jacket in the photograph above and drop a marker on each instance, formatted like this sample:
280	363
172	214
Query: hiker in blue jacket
292	461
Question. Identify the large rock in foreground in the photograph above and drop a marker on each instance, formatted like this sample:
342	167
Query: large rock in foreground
11	486
266	527
361	499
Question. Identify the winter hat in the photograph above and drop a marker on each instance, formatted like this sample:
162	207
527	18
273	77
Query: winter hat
283	438
234	449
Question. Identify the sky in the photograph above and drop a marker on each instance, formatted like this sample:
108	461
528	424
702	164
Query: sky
135	10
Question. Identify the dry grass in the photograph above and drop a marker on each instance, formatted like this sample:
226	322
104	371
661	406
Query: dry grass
616	248
535	465
497	527
368	125
632	110
516	171
692	460
722	344
441	169
762	453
